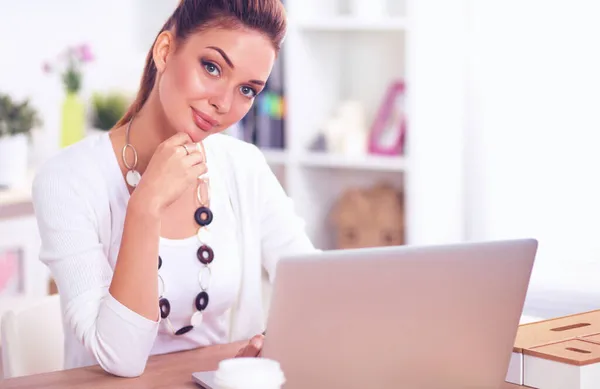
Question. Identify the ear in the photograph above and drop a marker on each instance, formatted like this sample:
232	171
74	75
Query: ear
163	47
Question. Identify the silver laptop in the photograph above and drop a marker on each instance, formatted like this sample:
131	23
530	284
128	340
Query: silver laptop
400	317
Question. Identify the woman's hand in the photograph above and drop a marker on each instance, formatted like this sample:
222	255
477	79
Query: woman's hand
174	166
253	348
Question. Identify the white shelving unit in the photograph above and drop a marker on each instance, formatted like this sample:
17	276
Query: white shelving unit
363	163
349	24
330	56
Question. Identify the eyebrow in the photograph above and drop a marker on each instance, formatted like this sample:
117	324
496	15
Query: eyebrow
226	58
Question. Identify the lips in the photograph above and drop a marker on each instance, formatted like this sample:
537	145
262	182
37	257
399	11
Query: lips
203	121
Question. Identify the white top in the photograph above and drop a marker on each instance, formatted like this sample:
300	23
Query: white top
181	272
80	200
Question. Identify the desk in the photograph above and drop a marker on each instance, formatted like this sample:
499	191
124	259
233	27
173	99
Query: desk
173	371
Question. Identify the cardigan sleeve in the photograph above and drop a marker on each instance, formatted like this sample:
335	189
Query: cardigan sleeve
282	229
66	208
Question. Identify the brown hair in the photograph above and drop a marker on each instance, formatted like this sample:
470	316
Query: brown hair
266	16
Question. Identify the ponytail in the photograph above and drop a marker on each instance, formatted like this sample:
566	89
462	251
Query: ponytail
146	85
148	79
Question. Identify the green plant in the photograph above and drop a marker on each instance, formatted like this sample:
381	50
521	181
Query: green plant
107	109
17	118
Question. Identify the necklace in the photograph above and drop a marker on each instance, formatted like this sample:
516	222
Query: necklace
203	216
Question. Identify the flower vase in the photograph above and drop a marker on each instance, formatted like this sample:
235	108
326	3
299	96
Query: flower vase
73	120
13	160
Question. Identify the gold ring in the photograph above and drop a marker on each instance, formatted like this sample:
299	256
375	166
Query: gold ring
186	149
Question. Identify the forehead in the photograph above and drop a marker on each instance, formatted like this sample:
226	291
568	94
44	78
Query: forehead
250	51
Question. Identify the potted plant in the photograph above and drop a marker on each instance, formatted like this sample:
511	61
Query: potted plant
69	64
17	120
107	109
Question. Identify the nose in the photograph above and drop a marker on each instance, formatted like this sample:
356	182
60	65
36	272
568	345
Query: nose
222	100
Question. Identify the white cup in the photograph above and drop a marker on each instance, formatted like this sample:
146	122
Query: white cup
249	373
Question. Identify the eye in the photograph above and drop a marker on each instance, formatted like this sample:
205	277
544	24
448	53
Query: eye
247	91
211	68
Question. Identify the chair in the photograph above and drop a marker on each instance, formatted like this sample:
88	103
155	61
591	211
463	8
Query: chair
33	338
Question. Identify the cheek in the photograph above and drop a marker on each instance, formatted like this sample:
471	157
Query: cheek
180	83
186	80
239	109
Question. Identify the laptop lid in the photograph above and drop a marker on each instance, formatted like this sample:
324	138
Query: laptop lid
417	317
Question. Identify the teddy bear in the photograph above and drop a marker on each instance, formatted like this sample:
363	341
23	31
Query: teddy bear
369	217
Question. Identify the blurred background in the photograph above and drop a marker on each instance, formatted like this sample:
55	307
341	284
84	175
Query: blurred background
387	122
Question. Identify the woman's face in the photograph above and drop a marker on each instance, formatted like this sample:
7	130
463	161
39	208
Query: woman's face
211	80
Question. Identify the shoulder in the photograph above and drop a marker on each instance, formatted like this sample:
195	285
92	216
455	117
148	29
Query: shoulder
73	169
235	147
237	154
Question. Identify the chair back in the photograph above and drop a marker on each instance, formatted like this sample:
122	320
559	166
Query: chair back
33	338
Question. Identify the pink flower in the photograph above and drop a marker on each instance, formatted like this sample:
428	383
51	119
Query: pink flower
85	53
47	67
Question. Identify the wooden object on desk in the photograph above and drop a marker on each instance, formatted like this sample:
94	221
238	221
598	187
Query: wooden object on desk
571	364
173	371
533	353
556	330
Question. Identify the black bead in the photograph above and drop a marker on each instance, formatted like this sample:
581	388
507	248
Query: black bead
205	254
203	216
165	307
159	262
201	301
184	330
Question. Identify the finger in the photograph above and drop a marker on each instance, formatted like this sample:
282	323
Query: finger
257	341
249	352
197	170
193	159
255	346
240	352
178	139
187	149
192	148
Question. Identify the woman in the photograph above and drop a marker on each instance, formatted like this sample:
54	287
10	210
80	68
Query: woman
156	233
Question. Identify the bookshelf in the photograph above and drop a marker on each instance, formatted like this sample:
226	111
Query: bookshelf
331	56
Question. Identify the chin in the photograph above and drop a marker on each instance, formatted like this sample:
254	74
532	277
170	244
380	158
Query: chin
197	134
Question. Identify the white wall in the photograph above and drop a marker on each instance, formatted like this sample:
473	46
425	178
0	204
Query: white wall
534	111
32	31
436	121
504	133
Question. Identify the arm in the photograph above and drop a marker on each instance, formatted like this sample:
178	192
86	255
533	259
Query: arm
282	230
136	271
118	337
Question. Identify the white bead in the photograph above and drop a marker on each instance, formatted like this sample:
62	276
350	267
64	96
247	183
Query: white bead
204	235
204	278
161	287
196	319
133	178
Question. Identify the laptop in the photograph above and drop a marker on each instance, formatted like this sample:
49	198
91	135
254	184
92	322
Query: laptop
430	317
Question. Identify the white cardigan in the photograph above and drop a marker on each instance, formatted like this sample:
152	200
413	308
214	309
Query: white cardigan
80	201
